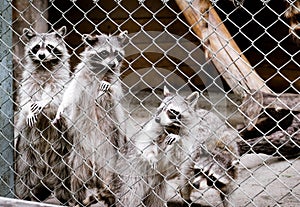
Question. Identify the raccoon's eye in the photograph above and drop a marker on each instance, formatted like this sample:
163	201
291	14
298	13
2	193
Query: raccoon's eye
35	49
50	48
173	114
104	54
119	56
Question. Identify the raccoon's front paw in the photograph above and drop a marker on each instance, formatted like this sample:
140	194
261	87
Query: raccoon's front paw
153	162
151	159
104	85
31	119
36	108
59	112
172	138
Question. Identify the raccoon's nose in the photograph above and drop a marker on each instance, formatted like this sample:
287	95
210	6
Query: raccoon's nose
112	65
196	185
157	119
42	56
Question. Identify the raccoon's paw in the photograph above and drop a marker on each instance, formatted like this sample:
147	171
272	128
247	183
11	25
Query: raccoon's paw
59	112
31	119
153	163
172	138
104	85
36	108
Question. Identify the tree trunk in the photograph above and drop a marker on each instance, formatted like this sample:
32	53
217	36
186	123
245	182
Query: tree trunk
284	143
220	47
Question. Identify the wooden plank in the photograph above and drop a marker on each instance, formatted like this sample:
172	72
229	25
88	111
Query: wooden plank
255	102
221	48
280	143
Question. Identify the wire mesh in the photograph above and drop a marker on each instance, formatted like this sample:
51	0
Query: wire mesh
150	103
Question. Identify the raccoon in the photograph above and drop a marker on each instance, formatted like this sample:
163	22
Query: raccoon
41	148
96	118
292	14
217	169
204	140
152	158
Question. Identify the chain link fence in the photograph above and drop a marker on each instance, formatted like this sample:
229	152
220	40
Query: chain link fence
150	103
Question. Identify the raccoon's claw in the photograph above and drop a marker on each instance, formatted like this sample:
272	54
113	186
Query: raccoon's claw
153	164
36	108
59	112
171	138
57	117
104	85
31	119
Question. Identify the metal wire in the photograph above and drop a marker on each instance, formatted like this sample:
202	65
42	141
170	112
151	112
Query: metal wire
162	49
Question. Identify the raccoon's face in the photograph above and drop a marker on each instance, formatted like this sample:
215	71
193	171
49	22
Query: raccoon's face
46	47
104	53
174	109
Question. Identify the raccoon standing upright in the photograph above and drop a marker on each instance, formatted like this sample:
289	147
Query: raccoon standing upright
42	148
155	155
211	158
208	146
97	118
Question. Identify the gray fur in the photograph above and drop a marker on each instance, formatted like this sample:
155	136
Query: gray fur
292	14
42	148
144	168
96	119
153	161
215	156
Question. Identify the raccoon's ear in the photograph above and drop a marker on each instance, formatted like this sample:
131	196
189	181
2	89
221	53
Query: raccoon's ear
62	31
166	91
192	99
89	39
28	33
123	37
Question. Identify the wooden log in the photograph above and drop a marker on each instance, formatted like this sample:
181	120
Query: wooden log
281	143
221	48
244	81
256	101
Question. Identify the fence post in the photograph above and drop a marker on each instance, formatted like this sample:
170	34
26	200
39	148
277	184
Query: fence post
6	102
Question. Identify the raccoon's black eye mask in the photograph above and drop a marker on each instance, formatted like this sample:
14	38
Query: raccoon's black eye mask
105	54
173	114
35	49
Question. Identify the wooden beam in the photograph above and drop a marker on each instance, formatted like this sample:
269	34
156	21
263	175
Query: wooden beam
220	47
280	143
256	101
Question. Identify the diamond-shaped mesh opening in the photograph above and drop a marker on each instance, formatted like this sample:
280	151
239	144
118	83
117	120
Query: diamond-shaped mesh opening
195	105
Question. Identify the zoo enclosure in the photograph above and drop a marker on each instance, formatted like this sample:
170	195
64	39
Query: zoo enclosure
158	31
